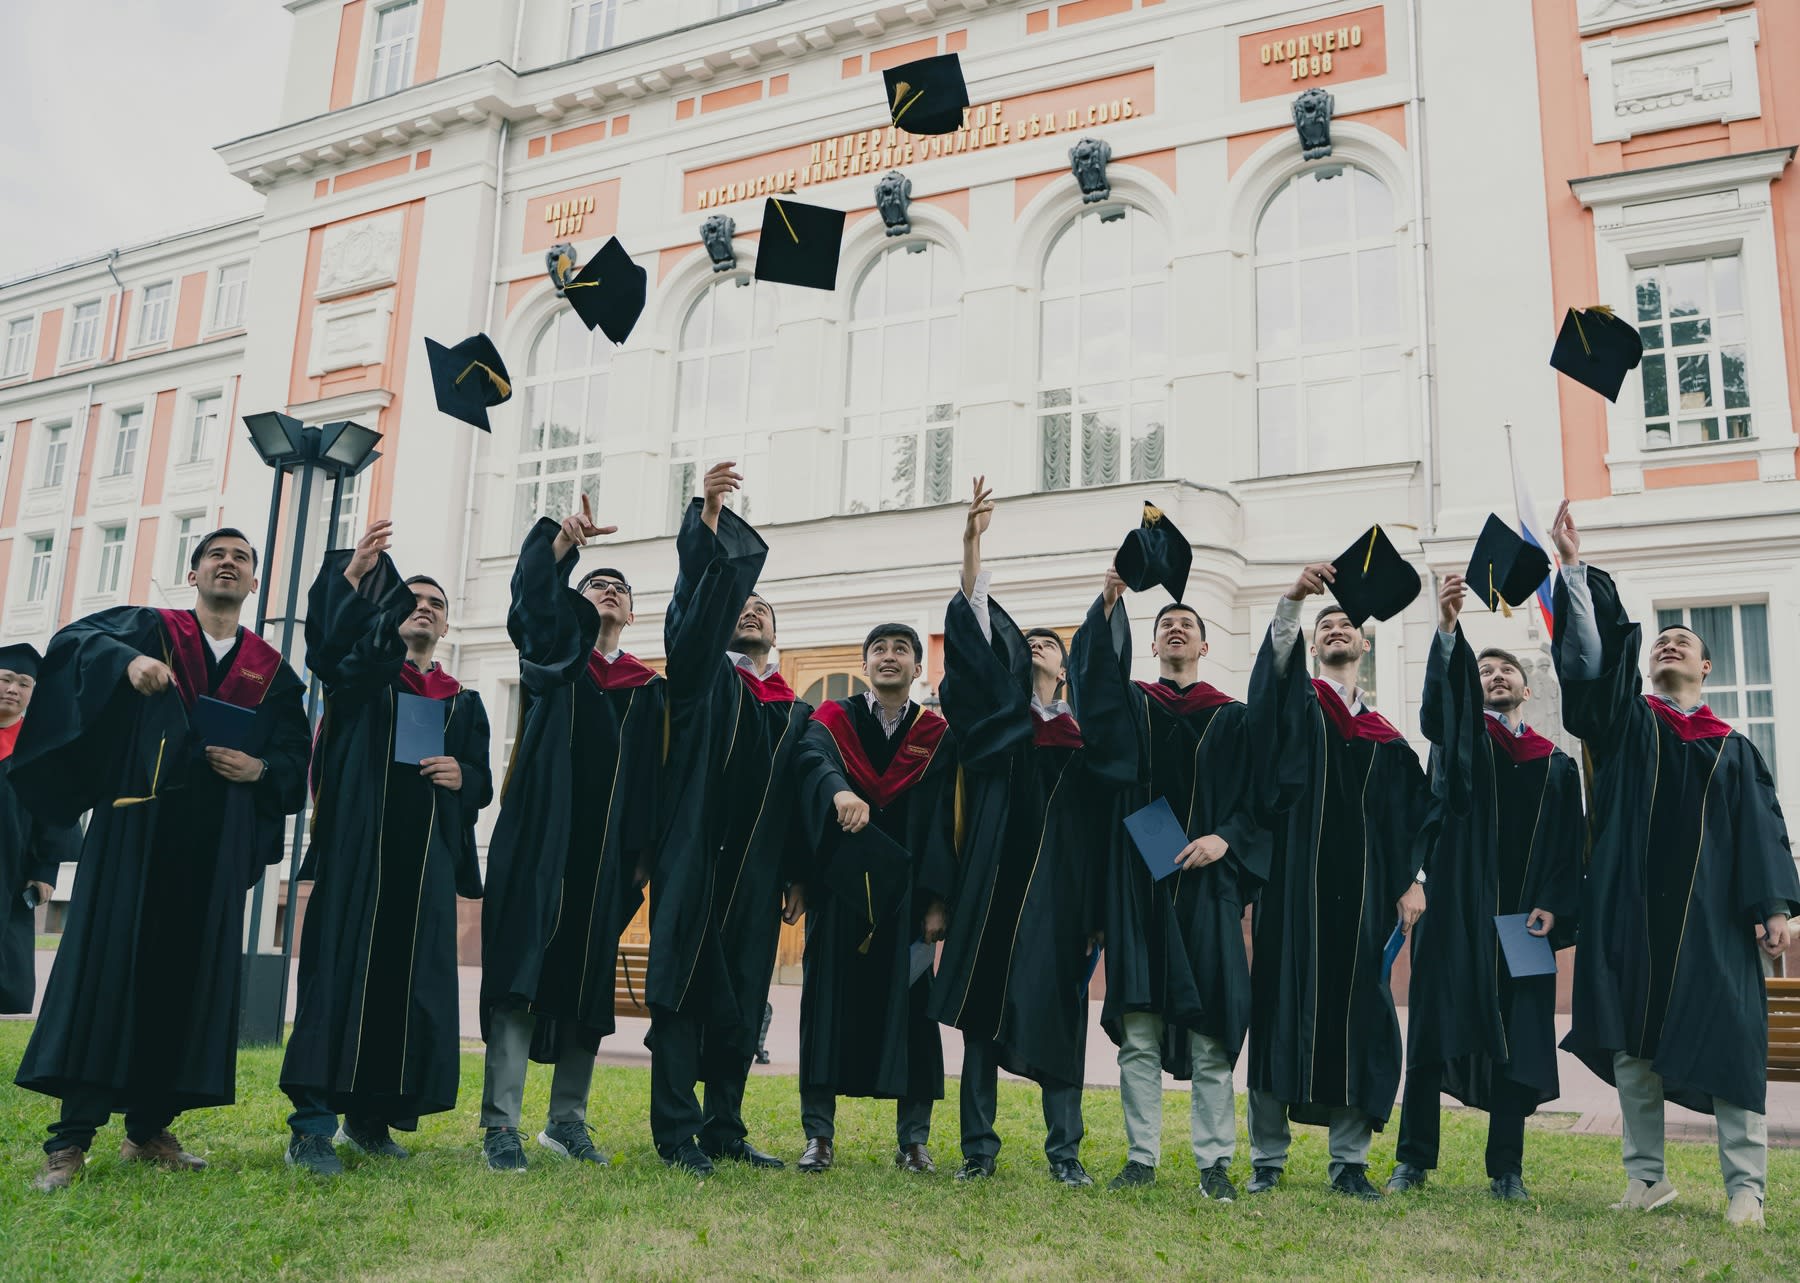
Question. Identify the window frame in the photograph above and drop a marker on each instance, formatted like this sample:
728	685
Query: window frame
533	384
188	537
1741	689
218	288
28	348
70	356
688	450
117	442
53	437
104	546
141	338
39	545
195	399
609	23
373	47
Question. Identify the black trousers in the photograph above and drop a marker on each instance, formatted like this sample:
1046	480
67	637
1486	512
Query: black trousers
980	1102
86	1112
682	1055
1421	1117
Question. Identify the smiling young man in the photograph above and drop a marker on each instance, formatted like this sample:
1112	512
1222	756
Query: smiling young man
578	822
31	849
1510	835
376	1029
141	1010
1691	876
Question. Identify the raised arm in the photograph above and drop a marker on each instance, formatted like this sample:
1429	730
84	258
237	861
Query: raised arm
1100	688
1450	710
986	690
1282	699
354	612
720	558
1596	645
552	625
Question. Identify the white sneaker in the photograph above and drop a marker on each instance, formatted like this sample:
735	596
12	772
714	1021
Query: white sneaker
1642	1196
1746	1210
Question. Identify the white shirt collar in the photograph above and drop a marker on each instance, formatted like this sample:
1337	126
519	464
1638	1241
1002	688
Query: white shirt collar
740	660
888	724
1518	730
1352	698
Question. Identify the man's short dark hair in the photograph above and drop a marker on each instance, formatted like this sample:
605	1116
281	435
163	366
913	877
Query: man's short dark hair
1053	635
223	532
609	573
1705	650
898	631
1504	656
756	596
427	579
1332	609
1179	605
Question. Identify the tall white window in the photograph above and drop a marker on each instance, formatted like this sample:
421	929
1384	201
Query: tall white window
125	442
1103	354
229	291
563	399
349	523
396	42
1741	688
112	559
1329	388
591	25
1696	359
901	391
84	331
724	388
153	313
203	429
190	528
37	579
56	455
18	348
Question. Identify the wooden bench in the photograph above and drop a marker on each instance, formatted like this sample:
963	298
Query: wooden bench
1784	1030
628	980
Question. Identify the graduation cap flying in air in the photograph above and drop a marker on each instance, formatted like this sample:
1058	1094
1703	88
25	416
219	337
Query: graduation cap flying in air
870	873
1504	569
799	244
1597	349
1373	580
468	379
1155	553
609	292
927	96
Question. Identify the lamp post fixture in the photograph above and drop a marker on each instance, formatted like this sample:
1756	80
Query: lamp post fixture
338	450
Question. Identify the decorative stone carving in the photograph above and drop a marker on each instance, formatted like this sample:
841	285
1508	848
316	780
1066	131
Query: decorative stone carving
560	263
1697	74
360	255
349	334
1312	120
1088	160
1601	15
716	233
893	194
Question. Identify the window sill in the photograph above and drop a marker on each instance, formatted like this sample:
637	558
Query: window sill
1773	456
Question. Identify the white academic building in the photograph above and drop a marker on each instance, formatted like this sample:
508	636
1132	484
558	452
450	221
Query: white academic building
1277	351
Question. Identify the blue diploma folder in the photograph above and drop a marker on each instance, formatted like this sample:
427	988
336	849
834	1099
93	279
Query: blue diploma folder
418	728
1159	837
1390	951
221	725
1526	954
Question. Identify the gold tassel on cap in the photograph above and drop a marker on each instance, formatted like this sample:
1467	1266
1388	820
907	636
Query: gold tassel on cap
1495	600
504	388
784	218
1369	556
155	778
900	92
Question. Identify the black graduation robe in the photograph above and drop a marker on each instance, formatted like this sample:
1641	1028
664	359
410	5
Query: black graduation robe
578	810
376	1030
1175	947
1348	802
142	1002
865	1030
729	847
1509	838
31	850
1035	795
1690	852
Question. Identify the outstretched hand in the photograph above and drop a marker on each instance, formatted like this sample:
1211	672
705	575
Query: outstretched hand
1111	589
1313	581
981	511
1450	602
721	479
577	529
369	548
1565	536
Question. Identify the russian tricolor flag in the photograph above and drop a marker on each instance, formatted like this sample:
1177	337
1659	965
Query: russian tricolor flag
1534	532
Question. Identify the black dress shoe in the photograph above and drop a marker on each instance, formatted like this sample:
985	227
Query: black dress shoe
1070	1172
914	1158
817	1157
1263	1179
742	1151
1354	1181
688	1157
1509	1188
1406	1177
1134	1175
974	1169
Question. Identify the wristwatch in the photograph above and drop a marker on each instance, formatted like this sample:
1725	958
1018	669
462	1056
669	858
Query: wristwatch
1419	877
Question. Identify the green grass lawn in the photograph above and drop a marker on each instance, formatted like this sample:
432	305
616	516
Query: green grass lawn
48	942
441	1215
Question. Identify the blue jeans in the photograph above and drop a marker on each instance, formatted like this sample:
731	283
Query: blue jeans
311	1116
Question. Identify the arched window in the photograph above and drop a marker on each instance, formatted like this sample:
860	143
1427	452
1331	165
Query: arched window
1103	356
1329	389
900	396
563	401
724	388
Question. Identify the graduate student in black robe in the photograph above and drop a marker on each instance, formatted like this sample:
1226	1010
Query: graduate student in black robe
578	823
726	870
140	1014
31	849
1349	799
1690	877
1510	838
875	760
1026	900
1177	978
376	1032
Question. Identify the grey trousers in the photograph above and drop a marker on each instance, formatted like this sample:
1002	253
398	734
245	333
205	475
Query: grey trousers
818	1116
980	1100
1212	1120
1350	1134
508	1056
1743	1135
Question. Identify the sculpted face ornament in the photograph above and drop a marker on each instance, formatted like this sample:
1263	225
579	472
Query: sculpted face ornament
560	264
1312	119
716	233
1088	160
893	194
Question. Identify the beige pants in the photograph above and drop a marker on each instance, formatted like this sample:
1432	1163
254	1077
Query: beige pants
1350	1134
1743	1135
1212	1120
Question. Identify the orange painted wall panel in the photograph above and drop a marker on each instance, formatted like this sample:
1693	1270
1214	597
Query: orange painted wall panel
400	349
1037	23
621	125
537	146
107	332
350	180
71	572
516	291
156	462
956	41
343	70
5	565
188	309
578	136
954	203
431	41
90	443
118	347
1068	15
670	259
601	221
49	340
736	96
882	59
143	559
1366	56
15	474
1700	474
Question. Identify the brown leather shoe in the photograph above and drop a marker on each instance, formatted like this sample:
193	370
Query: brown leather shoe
915	1158
61	1167
163	1150
817	1157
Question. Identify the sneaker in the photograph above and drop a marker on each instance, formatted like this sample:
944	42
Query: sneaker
1353	1179
975	1169
1263	1179
1745	1211
163	1150
62	1166
690	1158
1642	1196
1070	1172
570	1140
1134	1175
1215	1183
504	1149
315	1154
1509	1188
1406	1177
742	1151
372	1139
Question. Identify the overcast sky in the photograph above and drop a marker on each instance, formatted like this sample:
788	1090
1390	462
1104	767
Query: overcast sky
109	113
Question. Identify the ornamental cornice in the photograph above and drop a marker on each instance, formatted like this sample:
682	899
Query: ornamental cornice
1664	181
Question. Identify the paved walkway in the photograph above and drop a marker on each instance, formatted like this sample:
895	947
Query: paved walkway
1583	1094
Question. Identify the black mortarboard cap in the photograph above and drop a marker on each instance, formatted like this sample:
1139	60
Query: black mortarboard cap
1596	348
1505	568
927	96
1373	580
871	874
1155	553
21	658
799	244
468	378
155	754
609	292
